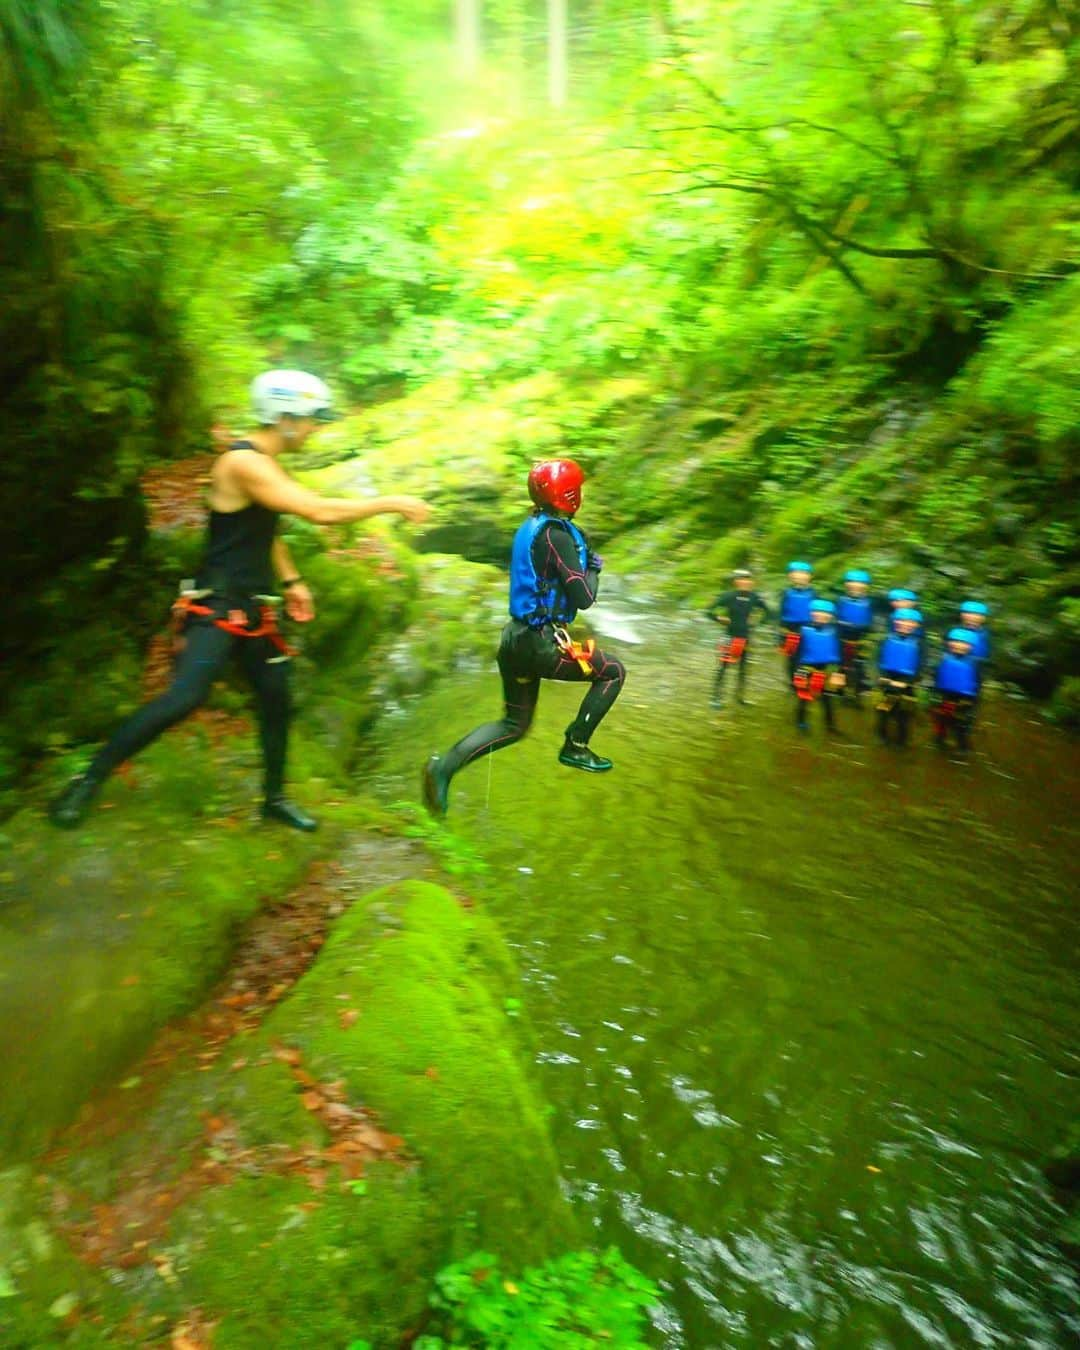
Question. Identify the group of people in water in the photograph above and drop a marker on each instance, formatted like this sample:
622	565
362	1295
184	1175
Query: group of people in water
230	609
829	647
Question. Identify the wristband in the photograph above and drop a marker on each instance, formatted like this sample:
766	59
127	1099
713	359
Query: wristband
292	581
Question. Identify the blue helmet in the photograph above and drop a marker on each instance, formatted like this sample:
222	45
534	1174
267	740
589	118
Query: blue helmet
822	606
960	635
899	593
799	567
857	574
974	607
911	615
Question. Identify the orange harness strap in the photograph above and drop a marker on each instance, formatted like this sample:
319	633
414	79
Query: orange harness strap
236	623
731	652
581	652
789	643
808	683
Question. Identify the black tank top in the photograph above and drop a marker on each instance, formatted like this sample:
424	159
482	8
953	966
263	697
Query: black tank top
237	559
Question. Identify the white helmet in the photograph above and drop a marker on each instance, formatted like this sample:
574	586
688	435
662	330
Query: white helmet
277	392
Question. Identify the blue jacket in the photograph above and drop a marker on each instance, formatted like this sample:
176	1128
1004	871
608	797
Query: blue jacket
900	656
980	644
795	605
957	675
819	646
534	599
854	611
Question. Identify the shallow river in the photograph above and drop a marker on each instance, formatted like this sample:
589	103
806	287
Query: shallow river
807	1010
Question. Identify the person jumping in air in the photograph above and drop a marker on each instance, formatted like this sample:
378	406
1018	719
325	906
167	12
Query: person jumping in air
818	659
956	689
229	609
795	610
553	574
735	609
855	618
900	659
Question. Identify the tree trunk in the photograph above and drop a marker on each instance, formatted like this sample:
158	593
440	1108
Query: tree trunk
558	75
467	35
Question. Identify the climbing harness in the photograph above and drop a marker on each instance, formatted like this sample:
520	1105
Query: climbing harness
895	695
731	651
809	684
187	605
581	652
789	643
854	650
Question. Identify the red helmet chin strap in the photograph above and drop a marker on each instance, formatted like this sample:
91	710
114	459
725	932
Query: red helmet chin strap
555	485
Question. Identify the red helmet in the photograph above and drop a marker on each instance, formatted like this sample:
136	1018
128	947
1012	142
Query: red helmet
555	485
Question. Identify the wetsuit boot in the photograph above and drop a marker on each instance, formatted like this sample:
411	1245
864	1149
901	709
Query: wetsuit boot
718	686
435	784
72	805
883	727
288	813
577	756
740	688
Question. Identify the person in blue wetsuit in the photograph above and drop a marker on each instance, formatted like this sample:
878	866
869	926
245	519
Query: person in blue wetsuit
736	610
855	619
795	610
956	688
818	660
900	659
553	574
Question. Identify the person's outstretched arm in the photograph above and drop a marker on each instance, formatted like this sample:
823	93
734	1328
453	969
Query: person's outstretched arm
267	483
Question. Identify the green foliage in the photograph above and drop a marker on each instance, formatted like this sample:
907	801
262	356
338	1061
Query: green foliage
456	856
758	229
576	1300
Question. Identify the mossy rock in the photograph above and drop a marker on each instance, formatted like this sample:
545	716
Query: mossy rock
435	1053
111	930
263	1254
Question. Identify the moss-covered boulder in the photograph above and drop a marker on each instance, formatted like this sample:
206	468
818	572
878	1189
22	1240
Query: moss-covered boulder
229	1199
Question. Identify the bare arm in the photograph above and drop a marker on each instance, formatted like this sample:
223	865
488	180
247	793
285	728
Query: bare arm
281	558
267	483
299	603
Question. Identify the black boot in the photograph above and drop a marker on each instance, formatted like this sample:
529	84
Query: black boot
435	784
70	808
288	813
581	757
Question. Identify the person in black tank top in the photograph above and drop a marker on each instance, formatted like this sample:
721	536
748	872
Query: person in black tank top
244	566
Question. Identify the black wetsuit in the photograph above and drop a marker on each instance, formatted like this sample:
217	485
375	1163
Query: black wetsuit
236	569
739	606
528	655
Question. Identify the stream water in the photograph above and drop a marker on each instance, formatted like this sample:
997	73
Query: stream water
807	1010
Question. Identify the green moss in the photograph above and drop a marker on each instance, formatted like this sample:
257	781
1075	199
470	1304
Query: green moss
262	1253
435	1054
112	930
274	1264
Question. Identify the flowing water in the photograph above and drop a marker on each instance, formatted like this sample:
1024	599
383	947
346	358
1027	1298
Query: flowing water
807	1009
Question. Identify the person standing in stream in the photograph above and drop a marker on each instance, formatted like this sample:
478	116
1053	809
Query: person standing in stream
553	574
230	608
